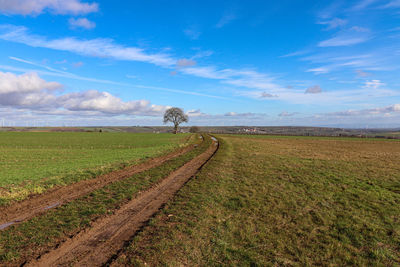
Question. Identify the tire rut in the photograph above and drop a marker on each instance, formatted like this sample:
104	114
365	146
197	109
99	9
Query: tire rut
100	243
39	204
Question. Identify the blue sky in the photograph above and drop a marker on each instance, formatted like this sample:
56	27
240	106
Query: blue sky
316	63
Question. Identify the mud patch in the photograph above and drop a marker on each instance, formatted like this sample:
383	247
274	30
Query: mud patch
5	225
52	206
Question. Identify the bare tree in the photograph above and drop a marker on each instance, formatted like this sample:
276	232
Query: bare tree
176	116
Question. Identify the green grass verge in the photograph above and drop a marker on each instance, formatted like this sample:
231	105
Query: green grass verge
33	162
282	202
43	232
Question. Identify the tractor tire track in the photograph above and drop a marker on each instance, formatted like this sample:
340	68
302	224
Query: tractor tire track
39	204
99	244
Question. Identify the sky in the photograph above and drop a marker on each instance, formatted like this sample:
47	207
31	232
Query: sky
258	63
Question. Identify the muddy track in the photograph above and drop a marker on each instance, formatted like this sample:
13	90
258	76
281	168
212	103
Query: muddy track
101	243
38	204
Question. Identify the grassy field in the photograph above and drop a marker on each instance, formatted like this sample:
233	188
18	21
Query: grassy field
31	162
37	235
272	201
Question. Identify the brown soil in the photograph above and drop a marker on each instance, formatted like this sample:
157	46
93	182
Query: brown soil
38	204
101	243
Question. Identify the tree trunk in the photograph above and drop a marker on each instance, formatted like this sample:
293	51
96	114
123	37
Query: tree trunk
176	128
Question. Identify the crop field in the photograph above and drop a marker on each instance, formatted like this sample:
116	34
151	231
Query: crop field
282	201
32	237
240	200
32	162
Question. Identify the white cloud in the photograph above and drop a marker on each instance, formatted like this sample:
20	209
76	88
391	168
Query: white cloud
240	78
230	114
336	57
202	54
129	76
78	64
359	29
195	113
267	95
205	72
251	79
288	95
54	72
374	84
319	70
287	114
316	89
26	90
81	23
297	53
29	91
179	91
104	102
352	36
235	114
25	83
36	7
379	60
379	117
109	49
348	97
106	48
361	73
392	4
226	19
57	73
192	32
199	117
185	63
334	23
363	4
343	40
368	112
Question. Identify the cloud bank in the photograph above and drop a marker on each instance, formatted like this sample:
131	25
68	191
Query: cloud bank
81	23
29	91
107	48
316	89
100	47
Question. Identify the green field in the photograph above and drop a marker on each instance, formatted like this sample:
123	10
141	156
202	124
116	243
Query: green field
42	233
32	162
282	201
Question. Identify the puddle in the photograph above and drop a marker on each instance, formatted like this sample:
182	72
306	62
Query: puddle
52	206
213	138
5	225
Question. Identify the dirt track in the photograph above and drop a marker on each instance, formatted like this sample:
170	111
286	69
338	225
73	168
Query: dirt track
35	205
97	245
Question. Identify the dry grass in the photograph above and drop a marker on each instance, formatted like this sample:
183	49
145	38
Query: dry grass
265	201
